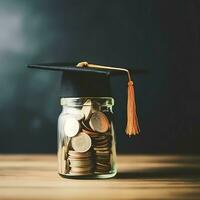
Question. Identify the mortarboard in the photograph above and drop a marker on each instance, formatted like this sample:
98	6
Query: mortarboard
82	79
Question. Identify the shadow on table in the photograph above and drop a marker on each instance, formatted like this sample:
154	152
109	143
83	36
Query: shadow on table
161	174
162	167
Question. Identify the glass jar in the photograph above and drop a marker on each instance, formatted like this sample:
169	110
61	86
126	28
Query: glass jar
86	139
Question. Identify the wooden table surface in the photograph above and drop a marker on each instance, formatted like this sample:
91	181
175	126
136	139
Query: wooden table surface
140	177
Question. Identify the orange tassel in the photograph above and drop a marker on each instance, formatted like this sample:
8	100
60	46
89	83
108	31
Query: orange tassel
132	127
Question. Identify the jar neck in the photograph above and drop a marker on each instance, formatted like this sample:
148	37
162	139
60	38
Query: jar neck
79	101
104	103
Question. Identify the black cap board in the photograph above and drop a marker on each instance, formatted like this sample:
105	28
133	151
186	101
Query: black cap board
81	81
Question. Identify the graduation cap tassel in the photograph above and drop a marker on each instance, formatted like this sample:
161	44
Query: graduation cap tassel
132	127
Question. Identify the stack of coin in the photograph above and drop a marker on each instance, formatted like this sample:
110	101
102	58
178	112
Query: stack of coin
98	127
80	163
102	151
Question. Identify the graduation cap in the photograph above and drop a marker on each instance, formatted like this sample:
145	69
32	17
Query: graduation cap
83	79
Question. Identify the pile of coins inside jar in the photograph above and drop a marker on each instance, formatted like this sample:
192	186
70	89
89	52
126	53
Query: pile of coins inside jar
87	142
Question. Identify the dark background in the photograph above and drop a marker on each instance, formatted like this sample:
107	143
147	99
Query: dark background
162	37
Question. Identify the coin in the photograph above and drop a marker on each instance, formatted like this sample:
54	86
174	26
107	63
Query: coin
103	142
103	136
102	168
99	142
102	153
81	143
90	133
81	163
81	169
101	148
99	122
87	109
71	126
103	159
75	154
104	145
86	126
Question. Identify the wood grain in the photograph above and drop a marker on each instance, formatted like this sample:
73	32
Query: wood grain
27	177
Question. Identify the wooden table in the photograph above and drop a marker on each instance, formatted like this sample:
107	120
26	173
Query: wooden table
141	177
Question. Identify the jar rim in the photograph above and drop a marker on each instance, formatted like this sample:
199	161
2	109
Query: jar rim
79	101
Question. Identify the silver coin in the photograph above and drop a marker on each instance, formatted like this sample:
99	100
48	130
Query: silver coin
81	143
71	126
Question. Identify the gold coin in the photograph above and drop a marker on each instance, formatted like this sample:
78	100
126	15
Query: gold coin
75	154
80	159
81	143
101	148
81	163
81	169
99	122
102	152
87	109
